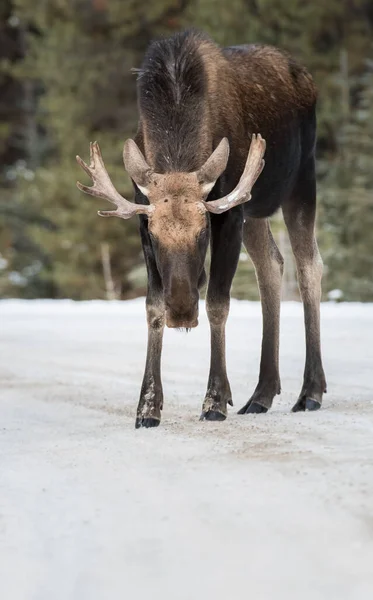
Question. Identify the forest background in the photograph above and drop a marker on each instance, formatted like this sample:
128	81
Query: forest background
66	79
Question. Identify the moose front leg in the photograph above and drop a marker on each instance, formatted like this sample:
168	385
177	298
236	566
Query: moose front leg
226	233
151	395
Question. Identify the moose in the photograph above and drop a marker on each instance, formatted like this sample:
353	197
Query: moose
207	116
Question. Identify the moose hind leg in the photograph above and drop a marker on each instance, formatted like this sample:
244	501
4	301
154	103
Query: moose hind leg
268	263
299	214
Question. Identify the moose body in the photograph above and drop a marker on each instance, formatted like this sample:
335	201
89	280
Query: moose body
194	163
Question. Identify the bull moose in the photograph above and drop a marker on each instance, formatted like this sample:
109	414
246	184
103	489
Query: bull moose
207	115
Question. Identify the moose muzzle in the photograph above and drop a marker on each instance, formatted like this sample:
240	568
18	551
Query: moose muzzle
181	305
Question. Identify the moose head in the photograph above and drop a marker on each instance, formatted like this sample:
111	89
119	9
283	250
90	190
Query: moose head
177	214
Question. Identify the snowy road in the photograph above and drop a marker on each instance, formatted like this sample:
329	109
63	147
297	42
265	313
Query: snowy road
276	506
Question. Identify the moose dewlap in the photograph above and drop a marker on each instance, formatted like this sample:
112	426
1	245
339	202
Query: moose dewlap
208	118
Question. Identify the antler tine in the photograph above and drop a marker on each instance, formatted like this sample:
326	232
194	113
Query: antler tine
255	162
103	187
242	191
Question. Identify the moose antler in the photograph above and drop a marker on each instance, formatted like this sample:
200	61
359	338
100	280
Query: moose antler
242	191
103	188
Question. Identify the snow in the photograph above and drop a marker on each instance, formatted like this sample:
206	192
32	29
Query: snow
276	506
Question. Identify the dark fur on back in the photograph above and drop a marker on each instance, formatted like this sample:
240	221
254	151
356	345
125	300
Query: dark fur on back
171	92
191	93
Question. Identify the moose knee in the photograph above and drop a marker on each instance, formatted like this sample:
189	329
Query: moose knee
217	312
155	316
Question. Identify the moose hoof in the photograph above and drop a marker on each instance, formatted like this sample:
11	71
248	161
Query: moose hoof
146	422
252	408
214	409
212	415
304	404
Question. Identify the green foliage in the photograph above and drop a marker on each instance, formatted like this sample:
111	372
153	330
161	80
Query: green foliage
65	78
347	200
79	58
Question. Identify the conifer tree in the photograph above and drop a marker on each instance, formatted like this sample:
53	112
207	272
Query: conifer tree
65	79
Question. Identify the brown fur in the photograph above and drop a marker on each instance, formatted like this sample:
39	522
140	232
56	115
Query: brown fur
276	85
243	90
178	217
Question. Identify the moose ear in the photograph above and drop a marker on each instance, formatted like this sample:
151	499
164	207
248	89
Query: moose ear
136	166
213	167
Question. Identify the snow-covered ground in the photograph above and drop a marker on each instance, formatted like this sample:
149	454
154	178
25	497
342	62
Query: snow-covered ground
276	506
